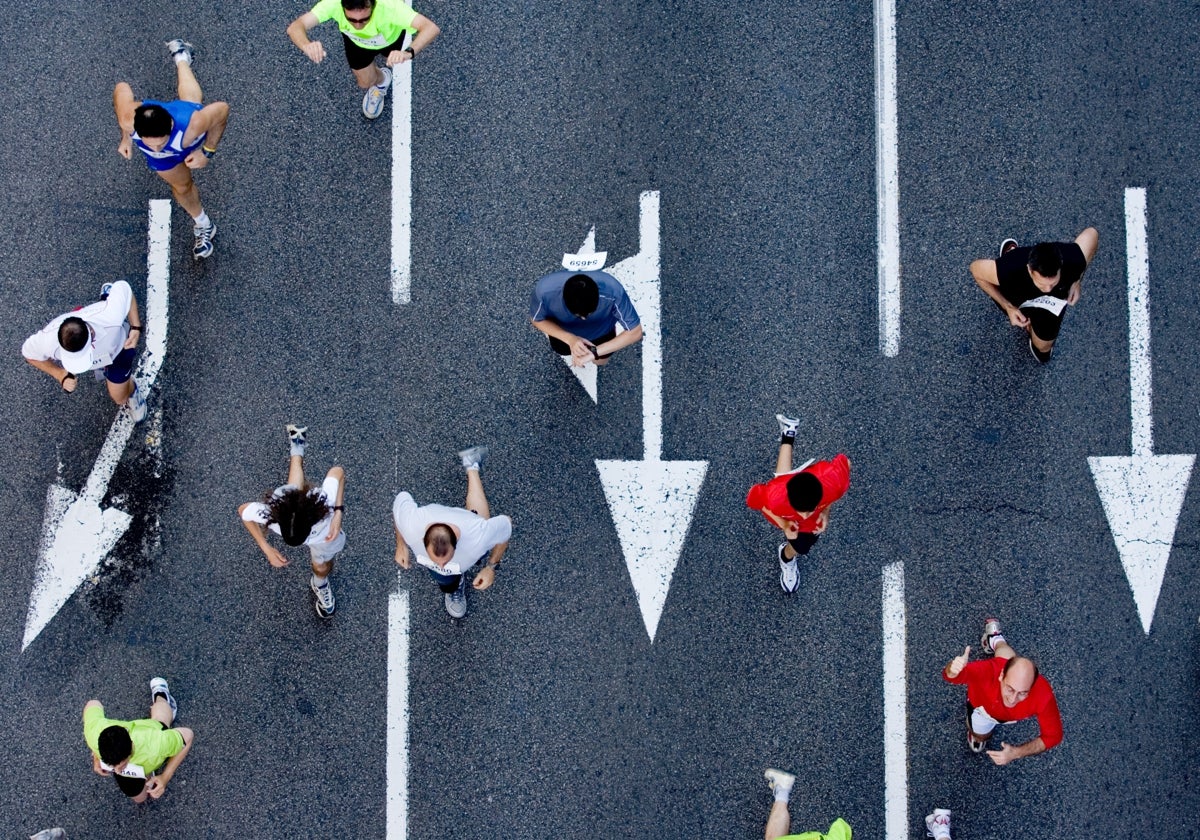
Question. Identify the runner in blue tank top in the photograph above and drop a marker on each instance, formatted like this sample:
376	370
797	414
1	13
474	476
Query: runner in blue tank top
175	137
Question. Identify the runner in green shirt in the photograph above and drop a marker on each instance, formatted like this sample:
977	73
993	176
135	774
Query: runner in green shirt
369	28
141	755
779	823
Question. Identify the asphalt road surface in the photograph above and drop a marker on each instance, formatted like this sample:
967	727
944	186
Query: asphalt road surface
549	713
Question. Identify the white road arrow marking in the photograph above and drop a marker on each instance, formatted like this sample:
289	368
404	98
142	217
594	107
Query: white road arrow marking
77	533
887	177
651	500
397	716
1142	493
402	183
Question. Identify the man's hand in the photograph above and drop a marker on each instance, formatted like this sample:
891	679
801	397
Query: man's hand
131	340
1004	755
398	57
69	382
822	522
335	528
790	530
274	557
485	578
196	160
1017	318
958	663
581	352
156	787
314	51
403	558
125	147
97	768
1074	294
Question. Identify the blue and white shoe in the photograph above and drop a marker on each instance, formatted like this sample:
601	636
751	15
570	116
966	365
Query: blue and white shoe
158	686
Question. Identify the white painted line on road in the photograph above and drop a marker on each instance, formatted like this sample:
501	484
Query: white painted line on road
895	704
77	533
402	183
1138	265
651	500
887	177
1142	493
397	716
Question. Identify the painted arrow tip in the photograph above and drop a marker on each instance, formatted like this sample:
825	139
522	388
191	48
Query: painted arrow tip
652	504
76	536
1142	497
586	376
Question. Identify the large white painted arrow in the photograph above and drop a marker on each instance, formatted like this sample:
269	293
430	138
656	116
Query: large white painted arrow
1142	493
77	532
402	183
651	500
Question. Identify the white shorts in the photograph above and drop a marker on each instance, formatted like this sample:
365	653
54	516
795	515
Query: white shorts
981	722
322	552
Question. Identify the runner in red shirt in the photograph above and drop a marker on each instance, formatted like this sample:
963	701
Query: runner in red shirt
1004	689
797	501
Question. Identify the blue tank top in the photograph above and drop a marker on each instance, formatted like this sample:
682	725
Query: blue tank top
172	154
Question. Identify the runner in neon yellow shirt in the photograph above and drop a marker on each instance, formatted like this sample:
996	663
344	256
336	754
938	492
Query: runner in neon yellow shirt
779	823
369	28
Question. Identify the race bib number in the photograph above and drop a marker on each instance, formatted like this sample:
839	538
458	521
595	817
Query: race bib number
1052	305
375	43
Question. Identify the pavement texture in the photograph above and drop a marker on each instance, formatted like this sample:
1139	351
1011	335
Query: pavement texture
548	713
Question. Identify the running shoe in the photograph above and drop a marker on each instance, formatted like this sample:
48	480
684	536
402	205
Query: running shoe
159	686
323	597
991	627
779	781
1007	245
456	601
204	237
789	572
136	404
937	824
472	458
181	50
376	94
297	435
787	425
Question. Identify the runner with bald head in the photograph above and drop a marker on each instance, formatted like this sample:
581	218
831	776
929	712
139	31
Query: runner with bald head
1004	689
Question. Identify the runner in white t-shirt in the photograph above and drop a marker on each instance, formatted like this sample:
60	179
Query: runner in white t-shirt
302	515
451	541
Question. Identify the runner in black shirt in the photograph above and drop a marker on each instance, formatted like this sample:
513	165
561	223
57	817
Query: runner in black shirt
1034	285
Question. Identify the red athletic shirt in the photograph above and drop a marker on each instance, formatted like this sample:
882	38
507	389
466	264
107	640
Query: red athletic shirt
982	678
835	481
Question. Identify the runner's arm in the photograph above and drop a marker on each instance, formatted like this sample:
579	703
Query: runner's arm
298	31
581	348
622	341
260	539
984	272
1008	752
172	765
335	524
124	104
427	30
210	121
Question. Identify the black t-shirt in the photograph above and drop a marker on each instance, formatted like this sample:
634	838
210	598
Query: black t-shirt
1017	286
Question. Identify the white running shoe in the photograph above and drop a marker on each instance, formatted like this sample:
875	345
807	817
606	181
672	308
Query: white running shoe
991	627
322	597
203	246
789	572
472	458
159	686
456	601
296	438
136	404
779	781
181	50
374	98
787	425
937	824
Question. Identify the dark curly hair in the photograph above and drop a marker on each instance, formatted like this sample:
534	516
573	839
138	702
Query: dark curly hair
296	511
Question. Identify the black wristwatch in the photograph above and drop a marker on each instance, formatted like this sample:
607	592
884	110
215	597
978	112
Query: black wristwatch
411	52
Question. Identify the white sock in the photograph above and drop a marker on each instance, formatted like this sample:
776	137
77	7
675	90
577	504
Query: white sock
319	581
202	221
782	794
181	58
387	78
995	640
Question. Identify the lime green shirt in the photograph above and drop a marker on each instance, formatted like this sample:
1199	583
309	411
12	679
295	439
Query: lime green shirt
152	745
390	19
840	830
